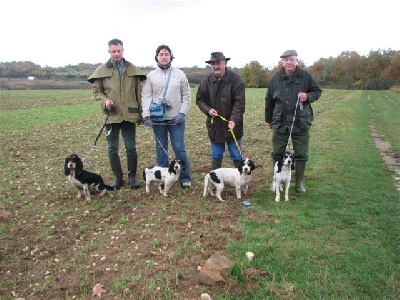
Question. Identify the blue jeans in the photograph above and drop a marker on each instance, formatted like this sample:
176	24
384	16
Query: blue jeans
128	130
177	135
218	149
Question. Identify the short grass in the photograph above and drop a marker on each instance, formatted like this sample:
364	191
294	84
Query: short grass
338	241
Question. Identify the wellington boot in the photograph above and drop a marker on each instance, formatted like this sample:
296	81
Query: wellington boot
115	163
273	166
132	168
237	163
300	167
216	164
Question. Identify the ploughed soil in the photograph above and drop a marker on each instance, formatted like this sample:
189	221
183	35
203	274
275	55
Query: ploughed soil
137	246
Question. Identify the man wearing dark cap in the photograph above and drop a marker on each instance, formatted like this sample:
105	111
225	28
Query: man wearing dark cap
221	97
288	112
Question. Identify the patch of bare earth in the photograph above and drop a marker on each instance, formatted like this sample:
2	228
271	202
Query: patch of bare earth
389	157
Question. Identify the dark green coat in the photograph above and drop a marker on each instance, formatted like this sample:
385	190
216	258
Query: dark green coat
281	99
125	92
227	96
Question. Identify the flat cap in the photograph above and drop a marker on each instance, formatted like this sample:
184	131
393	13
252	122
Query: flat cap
288	53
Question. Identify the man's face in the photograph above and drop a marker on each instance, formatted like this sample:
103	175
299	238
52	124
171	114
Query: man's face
289	63
164	57
116	52
219	68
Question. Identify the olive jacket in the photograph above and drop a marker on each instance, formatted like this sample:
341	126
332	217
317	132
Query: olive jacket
124	91
281	100
227	96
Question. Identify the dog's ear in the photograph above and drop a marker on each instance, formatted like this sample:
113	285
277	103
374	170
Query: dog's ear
280	164
79	166
252	165
183	164
66	170
171	168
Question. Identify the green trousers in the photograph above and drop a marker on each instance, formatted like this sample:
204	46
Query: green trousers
300	142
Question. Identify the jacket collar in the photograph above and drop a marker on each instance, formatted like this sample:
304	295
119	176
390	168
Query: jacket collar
110	63
297	72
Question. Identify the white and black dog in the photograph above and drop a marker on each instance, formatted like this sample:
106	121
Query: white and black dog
165	177
84	181
282	175
239	177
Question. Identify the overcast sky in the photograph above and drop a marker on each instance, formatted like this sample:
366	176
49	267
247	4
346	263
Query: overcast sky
61	32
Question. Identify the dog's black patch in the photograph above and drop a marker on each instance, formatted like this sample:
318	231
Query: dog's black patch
157	174
280	164
214	177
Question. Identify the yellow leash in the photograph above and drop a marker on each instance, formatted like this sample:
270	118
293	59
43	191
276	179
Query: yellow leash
231	130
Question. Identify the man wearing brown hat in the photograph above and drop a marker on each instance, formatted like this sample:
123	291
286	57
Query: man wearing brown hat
221	97
288	112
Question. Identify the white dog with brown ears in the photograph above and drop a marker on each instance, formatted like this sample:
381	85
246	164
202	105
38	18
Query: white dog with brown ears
165	177
282	175
238	177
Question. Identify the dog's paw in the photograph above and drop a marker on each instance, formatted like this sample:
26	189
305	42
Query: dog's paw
277	199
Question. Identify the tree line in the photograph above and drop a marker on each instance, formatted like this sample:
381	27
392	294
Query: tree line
378	70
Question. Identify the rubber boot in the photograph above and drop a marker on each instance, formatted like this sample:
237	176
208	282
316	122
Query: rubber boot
273	166
237	163
132	168
299	173
115	163
216	164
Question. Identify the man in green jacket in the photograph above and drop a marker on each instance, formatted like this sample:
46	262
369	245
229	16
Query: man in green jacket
117	86
288	112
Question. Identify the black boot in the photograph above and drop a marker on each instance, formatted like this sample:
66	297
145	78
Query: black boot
216	164
273	166
132	169
300	167
237	163
115	163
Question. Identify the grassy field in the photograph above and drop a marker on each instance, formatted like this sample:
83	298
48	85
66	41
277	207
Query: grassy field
338	241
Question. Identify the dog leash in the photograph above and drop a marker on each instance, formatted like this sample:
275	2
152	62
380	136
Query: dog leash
294	117
97	138
231	130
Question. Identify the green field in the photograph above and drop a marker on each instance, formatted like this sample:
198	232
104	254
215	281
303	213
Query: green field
340	240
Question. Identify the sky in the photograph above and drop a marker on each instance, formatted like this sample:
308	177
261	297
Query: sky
58	33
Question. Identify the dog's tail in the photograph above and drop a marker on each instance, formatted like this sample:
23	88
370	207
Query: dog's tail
206	182
109	187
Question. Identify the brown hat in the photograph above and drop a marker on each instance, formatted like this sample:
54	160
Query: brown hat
217	56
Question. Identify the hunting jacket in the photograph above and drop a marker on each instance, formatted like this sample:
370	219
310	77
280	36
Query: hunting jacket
124	91
281	100
227	97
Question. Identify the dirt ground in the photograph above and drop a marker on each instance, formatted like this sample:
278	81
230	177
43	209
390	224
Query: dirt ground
138	246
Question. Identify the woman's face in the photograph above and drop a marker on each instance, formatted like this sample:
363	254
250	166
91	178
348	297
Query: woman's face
164	57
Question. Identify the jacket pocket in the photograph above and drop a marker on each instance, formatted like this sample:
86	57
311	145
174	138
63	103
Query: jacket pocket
133	110
305	119
277	119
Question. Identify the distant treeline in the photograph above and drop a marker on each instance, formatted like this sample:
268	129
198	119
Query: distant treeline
378	70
